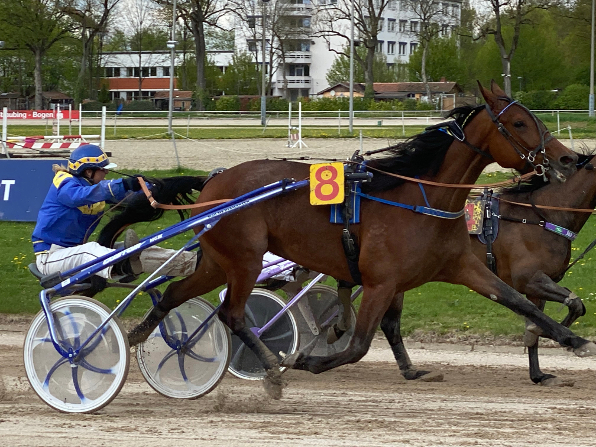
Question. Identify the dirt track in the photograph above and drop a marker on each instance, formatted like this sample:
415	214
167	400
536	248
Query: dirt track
485	399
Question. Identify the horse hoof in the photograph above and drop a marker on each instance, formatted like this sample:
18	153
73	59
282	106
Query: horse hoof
586	350
290	360
432	377
274	384
423	376
534	329
557	382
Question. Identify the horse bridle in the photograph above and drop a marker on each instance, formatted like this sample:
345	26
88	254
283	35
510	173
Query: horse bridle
530	158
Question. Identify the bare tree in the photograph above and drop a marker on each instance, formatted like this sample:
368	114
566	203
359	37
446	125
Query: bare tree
334	21
509	12
92	18
195	15
431	20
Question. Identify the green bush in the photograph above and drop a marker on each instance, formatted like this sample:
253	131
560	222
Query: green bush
538	100
228	102
574	96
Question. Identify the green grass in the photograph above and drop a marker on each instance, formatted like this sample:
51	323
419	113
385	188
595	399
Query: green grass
434	307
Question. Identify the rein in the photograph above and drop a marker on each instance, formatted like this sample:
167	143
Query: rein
155	204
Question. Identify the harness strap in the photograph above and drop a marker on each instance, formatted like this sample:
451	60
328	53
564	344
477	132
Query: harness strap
487	229
418	209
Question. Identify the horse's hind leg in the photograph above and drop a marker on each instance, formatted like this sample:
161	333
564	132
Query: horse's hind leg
391	326
543	287
207	277
473	274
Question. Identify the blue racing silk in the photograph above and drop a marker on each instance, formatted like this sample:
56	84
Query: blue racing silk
72	209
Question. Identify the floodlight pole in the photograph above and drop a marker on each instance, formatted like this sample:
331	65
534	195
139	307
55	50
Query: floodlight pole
351	112
171	44
591	98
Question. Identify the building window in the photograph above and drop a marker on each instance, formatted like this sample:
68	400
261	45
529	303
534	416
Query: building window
455	10
166	71
413	47
402	26
112	72
129	71
402	48
391	25
444	30
379	46
380	27
413	26
444	8
391	4
252	46
390	47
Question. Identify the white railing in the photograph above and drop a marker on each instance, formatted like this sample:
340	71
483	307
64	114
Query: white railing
295	82
298	56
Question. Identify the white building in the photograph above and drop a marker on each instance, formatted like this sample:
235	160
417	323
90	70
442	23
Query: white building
308	58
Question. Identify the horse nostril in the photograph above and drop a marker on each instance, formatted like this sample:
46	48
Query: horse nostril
567	160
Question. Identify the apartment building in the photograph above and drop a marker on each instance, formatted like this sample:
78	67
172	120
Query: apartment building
302	60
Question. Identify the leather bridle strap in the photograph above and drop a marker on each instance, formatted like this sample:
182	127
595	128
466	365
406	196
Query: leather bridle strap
546	207
155	204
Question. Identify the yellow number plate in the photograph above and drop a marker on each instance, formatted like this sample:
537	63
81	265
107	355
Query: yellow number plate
326	183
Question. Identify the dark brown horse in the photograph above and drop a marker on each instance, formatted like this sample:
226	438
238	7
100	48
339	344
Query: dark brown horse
399	249
530	258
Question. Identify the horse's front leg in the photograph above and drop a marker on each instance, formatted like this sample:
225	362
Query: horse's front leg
391	326
375	302
473	274
543	287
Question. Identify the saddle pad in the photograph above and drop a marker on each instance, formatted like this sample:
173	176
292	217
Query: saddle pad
474	213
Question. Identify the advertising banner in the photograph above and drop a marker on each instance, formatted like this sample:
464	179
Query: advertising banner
40	114
23	186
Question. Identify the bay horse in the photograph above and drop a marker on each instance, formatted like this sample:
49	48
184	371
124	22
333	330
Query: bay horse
528	256
399	249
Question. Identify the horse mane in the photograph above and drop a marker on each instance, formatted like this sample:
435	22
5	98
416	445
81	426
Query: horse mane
537	182
419	155
136	208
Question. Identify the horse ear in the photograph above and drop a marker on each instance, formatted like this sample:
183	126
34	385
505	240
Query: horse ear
496	89
490	98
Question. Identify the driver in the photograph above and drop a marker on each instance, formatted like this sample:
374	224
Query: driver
72	210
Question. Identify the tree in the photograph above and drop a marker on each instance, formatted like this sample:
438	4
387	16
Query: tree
340	69
196	14
515	13
36	25
441	60
333	21
241	77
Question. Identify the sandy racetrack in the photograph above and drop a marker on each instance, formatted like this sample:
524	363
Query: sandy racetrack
485	399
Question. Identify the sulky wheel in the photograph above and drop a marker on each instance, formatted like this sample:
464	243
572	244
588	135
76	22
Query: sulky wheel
95	376
281	337
184	368
323	303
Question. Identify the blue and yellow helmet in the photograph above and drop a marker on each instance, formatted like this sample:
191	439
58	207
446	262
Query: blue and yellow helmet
89	156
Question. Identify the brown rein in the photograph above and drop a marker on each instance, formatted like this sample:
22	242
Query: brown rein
155	204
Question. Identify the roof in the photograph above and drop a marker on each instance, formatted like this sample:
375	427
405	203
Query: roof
55	95
397	89
343	86
178	94
10	95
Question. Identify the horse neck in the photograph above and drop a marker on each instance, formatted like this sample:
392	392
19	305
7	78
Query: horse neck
579	191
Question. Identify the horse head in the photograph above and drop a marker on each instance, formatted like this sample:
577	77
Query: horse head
533	145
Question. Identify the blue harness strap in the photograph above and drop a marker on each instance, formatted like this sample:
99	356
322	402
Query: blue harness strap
418	209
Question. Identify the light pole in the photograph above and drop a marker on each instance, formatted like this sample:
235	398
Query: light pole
171	44
591	98
263	76
520	82
351	112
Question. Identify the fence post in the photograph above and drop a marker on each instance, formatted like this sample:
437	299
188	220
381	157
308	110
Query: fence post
81	119
4	129
339	123
102	133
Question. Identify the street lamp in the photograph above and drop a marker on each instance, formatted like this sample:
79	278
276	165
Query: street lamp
351	112
263	78
171	44
520	82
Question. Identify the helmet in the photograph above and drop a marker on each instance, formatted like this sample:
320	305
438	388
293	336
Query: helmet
88	156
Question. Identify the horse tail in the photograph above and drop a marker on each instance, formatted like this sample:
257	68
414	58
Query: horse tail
136	207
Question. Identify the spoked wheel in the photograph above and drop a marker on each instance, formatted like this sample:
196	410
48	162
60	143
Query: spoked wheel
281	337
323	302
177	366
96	375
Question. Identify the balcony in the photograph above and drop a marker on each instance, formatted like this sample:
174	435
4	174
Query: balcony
297	10
295	82
298	57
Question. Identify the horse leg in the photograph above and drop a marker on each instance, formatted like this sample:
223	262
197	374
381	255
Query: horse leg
390	324
473	274
344	318
240	284
375	302
541	285
207	277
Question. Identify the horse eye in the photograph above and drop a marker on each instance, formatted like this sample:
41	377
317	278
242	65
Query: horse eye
519	124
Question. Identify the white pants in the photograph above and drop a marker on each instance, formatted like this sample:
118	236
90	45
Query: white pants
61	259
